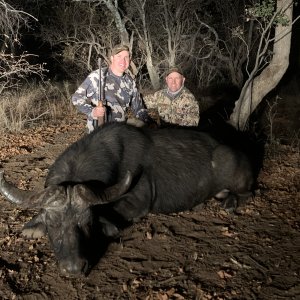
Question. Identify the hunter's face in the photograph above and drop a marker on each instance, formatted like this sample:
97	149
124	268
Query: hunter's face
120	62
174	81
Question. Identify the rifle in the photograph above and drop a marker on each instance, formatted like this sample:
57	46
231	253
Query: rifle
100	120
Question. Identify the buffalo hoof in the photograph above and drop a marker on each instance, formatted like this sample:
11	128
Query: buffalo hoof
230	203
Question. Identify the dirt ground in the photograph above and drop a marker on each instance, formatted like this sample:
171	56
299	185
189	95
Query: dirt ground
201	254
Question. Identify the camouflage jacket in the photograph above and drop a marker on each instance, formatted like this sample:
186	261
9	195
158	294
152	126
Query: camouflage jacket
120	94
181	109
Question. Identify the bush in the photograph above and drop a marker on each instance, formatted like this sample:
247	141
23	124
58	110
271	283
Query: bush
34	104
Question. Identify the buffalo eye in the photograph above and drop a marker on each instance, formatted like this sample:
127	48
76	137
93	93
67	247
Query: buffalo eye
53	219
56	245
85	222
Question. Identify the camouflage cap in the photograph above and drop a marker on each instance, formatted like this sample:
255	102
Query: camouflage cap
174	69
119	48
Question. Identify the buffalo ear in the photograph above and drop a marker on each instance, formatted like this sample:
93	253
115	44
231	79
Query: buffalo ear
36	227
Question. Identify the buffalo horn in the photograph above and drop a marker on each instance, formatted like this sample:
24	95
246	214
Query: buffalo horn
114	192
23	198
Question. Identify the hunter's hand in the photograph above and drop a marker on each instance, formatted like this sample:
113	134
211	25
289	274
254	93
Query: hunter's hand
98	111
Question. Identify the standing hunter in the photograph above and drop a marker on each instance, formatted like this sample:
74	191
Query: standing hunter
120	92
175	104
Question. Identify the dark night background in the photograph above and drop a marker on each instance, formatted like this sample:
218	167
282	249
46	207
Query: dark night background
203	254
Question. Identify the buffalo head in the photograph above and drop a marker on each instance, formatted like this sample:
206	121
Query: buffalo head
66	216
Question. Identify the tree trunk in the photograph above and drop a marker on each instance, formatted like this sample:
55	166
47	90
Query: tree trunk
124	36
154	78
256	88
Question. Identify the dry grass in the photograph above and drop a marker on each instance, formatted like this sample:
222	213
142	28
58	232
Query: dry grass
34	104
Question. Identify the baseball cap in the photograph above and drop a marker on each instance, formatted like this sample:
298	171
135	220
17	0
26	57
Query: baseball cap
119	48
174	69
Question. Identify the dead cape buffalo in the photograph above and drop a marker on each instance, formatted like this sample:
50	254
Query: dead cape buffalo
120	173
